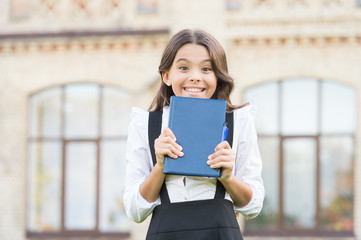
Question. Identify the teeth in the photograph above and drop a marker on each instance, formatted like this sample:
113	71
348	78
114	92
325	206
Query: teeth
194	89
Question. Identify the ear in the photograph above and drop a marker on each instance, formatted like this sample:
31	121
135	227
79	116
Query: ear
165	78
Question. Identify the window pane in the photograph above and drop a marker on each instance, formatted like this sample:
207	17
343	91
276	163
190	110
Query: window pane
44	189
116	112
45	114
80	182
299	183
269	148
20	8
233	4
338	108
112	213
147	6
81	110
299	106
265	97
337	183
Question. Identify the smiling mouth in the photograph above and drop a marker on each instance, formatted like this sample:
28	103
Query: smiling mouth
194	90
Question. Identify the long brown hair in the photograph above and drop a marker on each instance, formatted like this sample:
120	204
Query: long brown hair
225	83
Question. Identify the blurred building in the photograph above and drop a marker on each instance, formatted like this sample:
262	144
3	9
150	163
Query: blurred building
71	70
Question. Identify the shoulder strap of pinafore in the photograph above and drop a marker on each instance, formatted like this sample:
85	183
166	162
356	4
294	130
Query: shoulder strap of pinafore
220	191
154	130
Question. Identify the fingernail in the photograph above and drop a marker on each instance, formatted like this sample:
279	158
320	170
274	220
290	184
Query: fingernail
181	153
180	147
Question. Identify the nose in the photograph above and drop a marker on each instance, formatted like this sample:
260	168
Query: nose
195	76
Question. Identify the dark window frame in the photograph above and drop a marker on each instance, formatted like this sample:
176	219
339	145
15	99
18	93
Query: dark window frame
94	233
317	231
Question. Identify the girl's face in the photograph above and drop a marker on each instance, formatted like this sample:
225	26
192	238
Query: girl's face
191	74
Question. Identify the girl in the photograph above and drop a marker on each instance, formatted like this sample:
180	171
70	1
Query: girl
193	65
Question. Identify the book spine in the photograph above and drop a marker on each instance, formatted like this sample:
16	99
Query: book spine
170	125
171	112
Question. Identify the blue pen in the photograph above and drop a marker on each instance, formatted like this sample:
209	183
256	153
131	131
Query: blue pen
224	132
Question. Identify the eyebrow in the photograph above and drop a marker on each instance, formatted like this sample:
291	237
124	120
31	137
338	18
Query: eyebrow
186	60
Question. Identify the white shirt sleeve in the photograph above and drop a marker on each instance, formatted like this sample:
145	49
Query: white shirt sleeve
138	166
248	166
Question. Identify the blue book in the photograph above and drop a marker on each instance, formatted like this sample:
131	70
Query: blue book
197	124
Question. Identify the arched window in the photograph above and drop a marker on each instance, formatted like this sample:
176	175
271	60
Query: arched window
306	133
76	149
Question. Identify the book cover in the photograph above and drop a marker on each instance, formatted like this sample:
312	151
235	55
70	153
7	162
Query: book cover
197	124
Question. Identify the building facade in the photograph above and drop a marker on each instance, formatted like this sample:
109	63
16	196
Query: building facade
71	70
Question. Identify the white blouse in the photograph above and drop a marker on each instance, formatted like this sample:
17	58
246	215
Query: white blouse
248	167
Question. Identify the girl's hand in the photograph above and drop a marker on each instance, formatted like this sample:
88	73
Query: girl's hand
223	157
166	144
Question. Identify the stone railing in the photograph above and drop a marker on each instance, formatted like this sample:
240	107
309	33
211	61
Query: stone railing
255	19
55	15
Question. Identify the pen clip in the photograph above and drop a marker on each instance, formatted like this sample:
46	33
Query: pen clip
224	132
